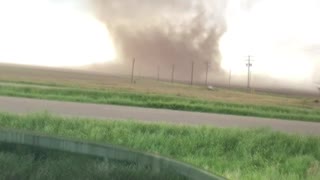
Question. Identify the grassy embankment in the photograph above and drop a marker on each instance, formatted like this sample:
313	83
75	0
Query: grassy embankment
233	153
152	100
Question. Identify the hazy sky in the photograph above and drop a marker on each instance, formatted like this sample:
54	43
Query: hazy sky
282	36
51	33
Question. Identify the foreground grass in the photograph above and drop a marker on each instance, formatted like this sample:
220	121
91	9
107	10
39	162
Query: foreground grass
161	101
23	162
233	153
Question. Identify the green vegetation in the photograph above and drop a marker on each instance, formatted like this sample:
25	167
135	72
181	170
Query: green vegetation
233	153
39	76
161	101
23	162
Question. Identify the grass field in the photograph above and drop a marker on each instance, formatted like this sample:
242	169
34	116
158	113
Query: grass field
71	85
160	101
23	162
233	153
90	80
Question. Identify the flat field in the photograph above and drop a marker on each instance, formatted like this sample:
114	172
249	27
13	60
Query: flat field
232	153
90	80
79	86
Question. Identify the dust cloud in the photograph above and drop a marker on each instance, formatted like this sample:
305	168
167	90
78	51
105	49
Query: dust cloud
160	34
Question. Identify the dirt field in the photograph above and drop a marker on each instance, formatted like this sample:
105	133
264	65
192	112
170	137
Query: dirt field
83	79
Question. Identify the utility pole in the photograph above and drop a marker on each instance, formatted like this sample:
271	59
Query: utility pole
132	73
158	78
230	74
172	74
207	73
249	65
192	73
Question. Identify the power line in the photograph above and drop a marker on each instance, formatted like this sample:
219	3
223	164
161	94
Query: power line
172	73
230	76
207	71
158	78
132	73
249	65
192	73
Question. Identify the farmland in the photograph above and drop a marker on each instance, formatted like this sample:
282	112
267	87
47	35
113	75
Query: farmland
90	80
62	85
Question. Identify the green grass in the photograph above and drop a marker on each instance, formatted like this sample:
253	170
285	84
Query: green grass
23	162
232	153
161	101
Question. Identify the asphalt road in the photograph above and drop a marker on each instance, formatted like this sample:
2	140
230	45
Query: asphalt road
105	112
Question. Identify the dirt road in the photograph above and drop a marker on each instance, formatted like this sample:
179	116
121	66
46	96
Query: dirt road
24	105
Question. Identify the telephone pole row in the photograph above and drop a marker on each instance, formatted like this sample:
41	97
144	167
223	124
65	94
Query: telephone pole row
172	72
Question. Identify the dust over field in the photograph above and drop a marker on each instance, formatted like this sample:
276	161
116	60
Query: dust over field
79	86
90	80
232	153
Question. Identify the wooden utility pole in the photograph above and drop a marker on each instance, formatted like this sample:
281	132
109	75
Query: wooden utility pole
249	65
230	76
192	73
132	73
207	73
158	75
172	73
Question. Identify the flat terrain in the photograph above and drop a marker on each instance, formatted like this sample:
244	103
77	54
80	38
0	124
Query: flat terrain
90	80
24	105
88	87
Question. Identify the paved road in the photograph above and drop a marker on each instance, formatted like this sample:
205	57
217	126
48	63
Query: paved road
24	105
